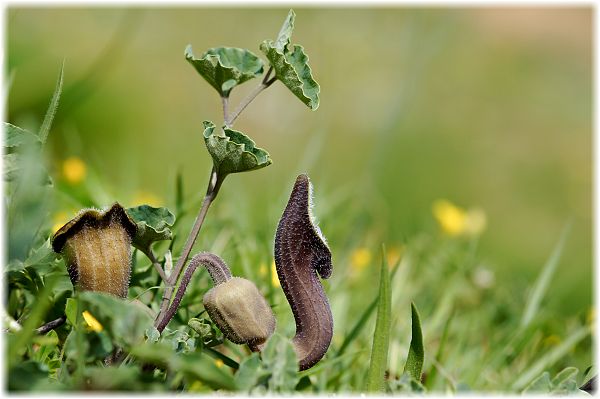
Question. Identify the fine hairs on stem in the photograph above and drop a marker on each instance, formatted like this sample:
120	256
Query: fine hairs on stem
214	184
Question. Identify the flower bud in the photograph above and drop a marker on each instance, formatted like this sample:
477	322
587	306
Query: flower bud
97	250
238	308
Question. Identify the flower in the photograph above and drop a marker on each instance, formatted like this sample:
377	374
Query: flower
91	321
456	221
274	276
359	259
74	170
393	255
97	249
219	363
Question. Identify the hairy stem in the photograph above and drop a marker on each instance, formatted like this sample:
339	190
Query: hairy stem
218	270
225	102
266	82
214	185
51	325
156	264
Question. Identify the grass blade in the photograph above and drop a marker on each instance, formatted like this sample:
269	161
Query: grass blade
47	123
348	339
432	375
551	357
381	338
543	281
416	352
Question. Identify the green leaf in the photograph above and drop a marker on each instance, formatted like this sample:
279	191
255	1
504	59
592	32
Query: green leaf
235	152
16	136
543	281
564	376
42	256
542	384
71	310
12	164
381	338
279	358
25	375
362	321
250	373
292	69
126	322
225	67
291	65
153	224
416	352
47	123
285	33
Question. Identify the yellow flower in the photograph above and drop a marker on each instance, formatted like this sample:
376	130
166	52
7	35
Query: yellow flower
456	221
145	197
91	321
591	316
219	363
58	220
262	270
393	255
74	169
359	259
552	340
274	277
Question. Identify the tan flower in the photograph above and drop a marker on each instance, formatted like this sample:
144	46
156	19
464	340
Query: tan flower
97	249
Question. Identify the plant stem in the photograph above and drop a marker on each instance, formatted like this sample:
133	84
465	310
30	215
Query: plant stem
225	102
266	82
51	325
218	270
156	265
212	191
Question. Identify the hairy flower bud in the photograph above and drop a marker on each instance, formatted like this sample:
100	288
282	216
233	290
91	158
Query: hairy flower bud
97	249
240	311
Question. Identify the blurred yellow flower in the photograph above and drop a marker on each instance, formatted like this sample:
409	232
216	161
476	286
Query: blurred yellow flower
456	221
393	255
219	363
74	169
552	340
262	270
274	277
196	386
591	316
359	259
91	321
58	220
147	198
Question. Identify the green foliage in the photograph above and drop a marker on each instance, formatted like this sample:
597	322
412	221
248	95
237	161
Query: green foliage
52	108
277	372
234	152
543	281
563	383
153	224
416	352
381	337
291	64
225	67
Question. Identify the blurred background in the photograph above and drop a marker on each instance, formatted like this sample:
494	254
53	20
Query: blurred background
428	117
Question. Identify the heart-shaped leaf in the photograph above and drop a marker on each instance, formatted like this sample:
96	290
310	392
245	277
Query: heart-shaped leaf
234	152
226	67
291	65
152	225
